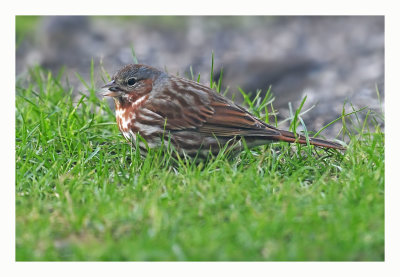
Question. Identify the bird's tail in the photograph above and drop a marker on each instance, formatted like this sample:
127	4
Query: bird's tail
290	137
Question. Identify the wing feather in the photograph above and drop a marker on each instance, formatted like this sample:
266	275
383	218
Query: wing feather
187	105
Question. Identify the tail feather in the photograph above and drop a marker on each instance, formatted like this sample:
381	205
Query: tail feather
290	137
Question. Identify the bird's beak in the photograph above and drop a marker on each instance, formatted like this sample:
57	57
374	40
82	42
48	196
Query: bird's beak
110	89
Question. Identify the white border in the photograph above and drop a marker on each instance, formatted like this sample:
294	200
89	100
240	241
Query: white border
204	7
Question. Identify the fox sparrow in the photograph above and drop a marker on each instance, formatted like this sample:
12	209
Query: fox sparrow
194	118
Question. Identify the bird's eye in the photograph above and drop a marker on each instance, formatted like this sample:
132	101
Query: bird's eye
131	81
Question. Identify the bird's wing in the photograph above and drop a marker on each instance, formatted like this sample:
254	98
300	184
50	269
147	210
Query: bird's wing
187	105
180	107
231	120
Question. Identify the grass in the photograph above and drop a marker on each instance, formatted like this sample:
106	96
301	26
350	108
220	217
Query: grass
82	193
24	26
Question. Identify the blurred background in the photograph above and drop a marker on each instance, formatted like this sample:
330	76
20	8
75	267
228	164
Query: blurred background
331	59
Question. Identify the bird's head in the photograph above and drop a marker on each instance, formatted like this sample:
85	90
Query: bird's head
131	82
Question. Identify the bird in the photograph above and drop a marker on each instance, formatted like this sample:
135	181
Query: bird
193	118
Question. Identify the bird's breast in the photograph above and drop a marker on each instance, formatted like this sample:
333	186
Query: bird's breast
126	114
125	121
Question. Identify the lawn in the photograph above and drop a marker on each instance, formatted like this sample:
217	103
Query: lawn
83	193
